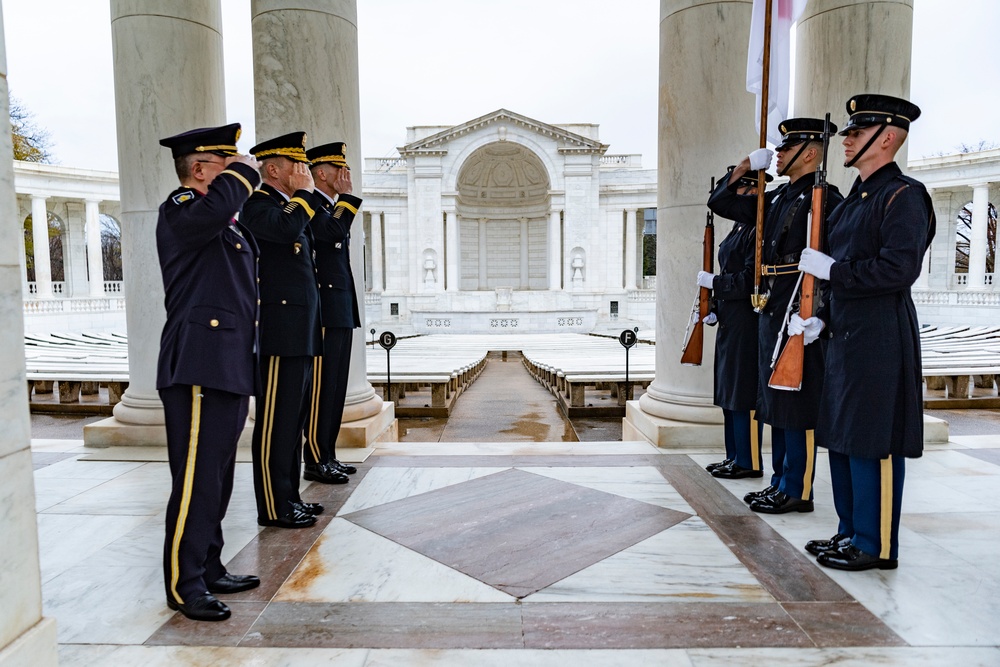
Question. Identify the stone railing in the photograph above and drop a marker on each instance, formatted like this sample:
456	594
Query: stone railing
626	161
58	287
113	286
373	299
73	305
641	296
961	280
649	282
955	298
385	164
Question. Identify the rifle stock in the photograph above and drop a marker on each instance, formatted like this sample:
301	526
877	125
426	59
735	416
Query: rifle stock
787	372
693	349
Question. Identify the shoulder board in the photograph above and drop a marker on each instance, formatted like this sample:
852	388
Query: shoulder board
183	196
911	181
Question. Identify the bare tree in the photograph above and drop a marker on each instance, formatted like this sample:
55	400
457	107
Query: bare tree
963	235
31	143
111	248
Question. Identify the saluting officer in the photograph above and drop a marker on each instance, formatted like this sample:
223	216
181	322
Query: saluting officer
871	417
736	342
207	363
331	227
791	414
278	215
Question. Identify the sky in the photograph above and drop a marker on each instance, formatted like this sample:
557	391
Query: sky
443	62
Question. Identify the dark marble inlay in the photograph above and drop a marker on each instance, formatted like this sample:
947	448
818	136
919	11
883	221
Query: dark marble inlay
594	625
181	631
516	531
831	624
388	625
517	461
702	492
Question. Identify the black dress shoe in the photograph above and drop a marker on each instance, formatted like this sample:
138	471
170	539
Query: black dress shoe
763	493
733	471
835	543
345	468
320	472
712	466
312	509
780	503
853	559
233	583
202	608
294	519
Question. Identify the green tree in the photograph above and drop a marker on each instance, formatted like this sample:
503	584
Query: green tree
31	143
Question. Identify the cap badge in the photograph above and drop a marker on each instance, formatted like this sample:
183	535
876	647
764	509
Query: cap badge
854	105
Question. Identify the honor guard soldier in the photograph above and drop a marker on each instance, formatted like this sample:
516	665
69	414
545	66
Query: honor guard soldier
207	363
736	342
278	215
791	414
871	417
331	227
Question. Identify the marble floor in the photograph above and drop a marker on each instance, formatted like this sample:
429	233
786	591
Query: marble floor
607	553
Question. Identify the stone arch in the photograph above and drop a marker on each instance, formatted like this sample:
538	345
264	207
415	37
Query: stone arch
57	229
111	247
963	234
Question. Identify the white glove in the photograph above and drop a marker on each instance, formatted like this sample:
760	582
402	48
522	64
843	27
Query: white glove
816	263
760	159
810	328
710	319
705	279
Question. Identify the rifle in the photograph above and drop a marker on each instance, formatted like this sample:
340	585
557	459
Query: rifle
694	338
787	373
758	300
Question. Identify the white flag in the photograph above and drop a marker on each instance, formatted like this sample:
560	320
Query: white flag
784	13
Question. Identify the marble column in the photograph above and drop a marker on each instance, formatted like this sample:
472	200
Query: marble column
977	237
677	408
156	46
451	246
26	637
483	249
305	56
40	239
630	249
524	278
555	251
378	284
846	47
95	254
75	251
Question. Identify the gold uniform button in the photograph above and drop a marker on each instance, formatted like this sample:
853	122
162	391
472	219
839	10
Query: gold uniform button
255	322
258	302
214	323
329	285
283	302
239	246
258	280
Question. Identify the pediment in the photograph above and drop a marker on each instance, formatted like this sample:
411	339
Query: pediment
569	141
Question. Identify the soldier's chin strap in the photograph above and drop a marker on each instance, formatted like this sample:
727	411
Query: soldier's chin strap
857	156
788	166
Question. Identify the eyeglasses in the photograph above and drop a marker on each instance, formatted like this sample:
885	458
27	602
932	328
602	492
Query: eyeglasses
223	162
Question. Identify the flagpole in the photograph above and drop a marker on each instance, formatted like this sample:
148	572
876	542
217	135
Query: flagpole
758	300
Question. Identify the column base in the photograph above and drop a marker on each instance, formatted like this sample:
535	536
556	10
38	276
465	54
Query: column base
668	433
113	433
35	646
381	427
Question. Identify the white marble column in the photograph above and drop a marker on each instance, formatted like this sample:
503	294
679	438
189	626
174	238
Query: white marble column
555	252
26	638
40	239
977	237
378	284
483	249
156	47
74	242
677	408
525	283
831	66
630	248
95	255
451	245
305	55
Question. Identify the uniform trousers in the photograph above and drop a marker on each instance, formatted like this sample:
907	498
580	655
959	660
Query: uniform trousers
777	456
743	437
203	426
329	391
277	433
799	466
868	496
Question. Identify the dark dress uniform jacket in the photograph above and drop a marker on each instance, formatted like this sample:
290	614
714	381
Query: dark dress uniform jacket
331	227
289	296
736	342
209	267
788	203
878	235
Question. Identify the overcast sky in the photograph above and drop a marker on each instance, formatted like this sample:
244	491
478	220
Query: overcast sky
442	62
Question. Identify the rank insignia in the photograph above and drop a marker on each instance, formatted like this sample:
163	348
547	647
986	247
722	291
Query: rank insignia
297	248
182	197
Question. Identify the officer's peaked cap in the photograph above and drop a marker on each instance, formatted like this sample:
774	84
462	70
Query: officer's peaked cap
218	140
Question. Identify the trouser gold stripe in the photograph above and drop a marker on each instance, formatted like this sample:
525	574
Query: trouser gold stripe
314	408
265	440
754	442
807	477
182	512
885	510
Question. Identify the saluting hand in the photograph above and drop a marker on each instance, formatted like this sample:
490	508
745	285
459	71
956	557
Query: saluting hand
301	178
342	185
248	160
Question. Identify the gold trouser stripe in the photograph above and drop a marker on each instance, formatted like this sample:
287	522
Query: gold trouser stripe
754	442
239	176
810	464
347	206
175	568
265	440
304	205
314	408
885	511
